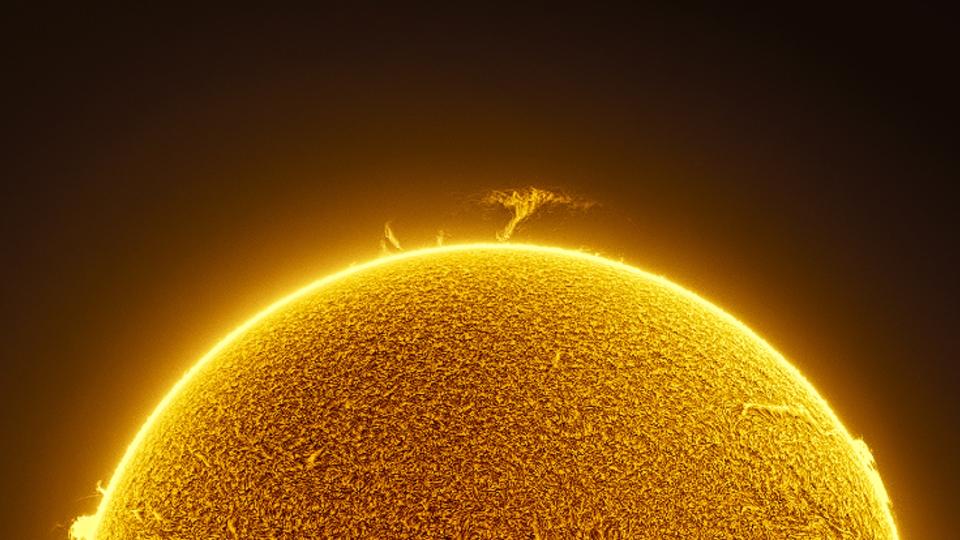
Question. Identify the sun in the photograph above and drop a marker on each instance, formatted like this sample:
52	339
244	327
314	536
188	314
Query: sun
493	390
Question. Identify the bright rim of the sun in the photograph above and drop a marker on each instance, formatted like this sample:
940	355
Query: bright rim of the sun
87	527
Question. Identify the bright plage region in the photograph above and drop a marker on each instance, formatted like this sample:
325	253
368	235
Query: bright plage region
490	391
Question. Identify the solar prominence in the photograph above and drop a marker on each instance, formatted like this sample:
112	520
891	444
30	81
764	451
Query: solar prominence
493	390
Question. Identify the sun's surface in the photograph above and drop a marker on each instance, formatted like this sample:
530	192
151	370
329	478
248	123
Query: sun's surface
493	390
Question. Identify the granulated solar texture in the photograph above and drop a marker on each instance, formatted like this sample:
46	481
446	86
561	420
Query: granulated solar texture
496	392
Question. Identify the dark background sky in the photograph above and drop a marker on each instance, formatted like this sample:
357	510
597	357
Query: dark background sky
170	174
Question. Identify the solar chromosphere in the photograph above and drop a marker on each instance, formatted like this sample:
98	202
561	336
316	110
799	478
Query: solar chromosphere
493	390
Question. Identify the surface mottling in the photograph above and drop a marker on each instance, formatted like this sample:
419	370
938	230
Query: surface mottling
496	392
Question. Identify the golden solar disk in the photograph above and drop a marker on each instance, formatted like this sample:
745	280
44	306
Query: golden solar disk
493	391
